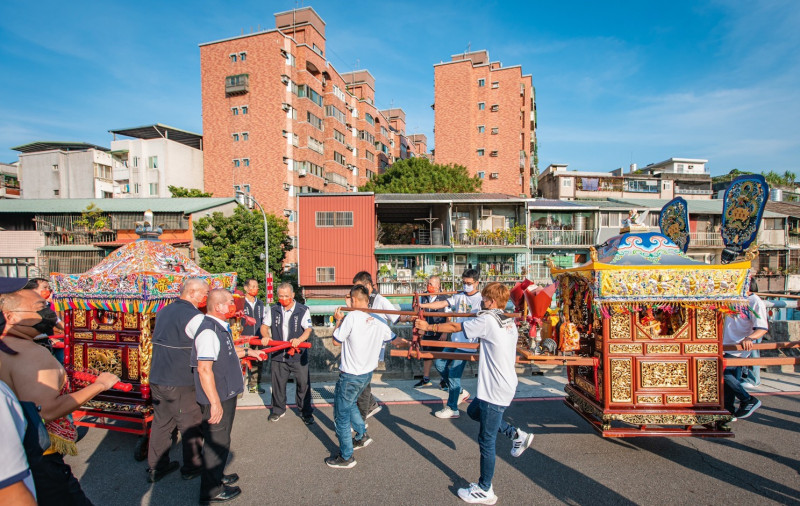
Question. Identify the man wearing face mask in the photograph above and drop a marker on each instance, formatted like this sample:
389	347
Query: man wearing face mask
218	382
467	301
291	321
34	375
42	287
254	308
172	384
434	286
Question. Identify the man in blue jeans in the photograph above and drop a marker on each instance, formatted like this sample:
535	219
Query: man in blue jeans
466	301
497	383
361	336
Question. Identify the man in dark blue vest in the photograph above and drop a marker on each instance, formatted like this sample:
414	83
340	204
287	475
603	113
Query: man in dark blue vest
172	384
218	381
254	308
291	321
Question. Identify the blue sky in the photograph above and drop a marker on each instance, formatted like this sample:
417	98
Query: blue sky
617	82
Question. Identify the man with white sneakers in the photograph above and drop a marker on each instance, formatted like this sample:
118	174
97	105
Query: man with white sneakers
497	383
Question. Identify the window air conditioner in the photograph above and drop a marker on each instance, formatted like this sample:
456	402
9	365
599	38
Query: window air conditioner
286	160
286	186
301	172
284	79
485	213
286	106
349	147
494	175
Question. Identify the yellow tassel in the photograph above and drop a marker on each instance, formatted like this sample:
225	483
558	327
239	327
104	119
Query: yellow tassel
62	446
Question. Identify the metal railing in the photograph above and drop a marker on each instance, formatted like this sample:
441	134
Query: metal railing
794	240
705	239
486	238
562	238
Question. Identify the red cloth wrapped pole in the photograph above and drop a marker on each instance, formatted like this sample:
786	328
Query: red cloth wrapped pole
91	378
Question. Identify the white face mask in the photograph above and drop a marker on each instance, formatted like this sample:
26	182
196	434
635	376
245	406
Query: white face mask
468	288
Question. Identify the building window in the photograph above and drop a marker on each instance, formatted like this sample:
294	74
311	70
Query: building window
316	49
246	162
370	174
102	172
325	219
153	188
339	158
316	145
493	153
236	162
368	117
235	111
233	57
333	112
135	162
136	188
242	56
289	58
305	91
244	109
295	140
326	274
481	83
338	93
481	106
369	156
566	181
495	85
481	129
152	162
364	135
495	131
314	121
245	136
339	136
235	137
481	174
56	192
55	167
481	152
291	113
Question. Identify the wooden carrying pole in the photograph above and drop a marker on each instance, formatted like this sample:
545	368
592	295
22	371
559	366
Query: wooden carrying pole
762	361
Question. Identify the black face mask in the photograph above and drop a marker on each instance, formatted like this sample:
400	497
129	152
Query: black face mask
49	321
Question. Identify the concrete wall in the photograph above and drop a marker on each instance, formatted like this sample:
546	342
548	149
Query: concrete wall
74	177
178	165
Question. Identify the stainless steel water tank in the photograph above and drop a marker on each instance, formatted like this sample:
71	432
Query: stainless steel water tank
579	222
436	236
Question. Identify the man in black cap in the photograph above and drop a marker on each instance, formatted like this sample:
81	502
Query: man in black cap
172	384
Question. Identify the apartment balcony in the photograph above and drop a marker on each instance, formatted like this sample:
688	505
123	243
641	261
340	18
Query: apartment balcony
705	240
237	85
7	192
503	237
794	240
549	238
772	238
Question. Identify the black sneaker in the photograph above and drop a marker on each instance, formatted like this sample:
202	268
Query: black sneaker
308	420
230	479
443	385
190	475
340	463
361	443
746	408
274	418
424	382
227	494
153	475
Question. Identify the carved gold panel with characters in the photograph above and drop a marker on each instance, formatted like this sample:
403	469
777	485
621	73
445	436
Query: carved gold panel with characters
77	357
79	318
664	374
133	363
621	379
679	399
630	349
706	324
701	348
707	380
84	335
648	399
131	320
100	336
105	360
129	338
619	327
664	348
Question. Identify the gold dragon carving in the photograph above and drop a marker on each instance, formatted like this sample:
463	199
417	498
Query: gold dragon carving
621	370
665	374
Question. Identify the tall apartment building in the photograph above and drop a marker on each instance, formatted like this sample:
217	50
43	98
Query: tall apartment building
66	170
155	157
485	119
280	120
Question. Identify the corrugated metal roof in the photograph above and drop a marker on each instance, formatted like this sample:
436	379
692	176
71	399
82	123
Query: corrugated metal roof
575	205
387	198
787	208
34	147
165	205
712	206
158	130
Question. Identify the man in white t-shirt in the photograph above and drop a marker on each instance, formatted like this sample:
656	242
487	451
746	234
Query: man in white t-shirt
16	481
467	301
361	335
745	331
497	383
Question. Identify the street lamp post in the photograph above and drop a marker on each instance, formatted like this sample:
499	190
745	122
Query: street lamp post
244	199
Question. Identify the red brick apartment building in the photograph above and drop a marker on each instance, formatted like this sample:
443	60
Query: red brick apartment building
485	119
280	121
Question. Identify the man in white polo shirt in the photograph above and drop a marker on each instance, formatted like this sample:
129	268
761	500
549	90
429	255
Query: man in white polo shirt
497	383
361	335
744	330
16	481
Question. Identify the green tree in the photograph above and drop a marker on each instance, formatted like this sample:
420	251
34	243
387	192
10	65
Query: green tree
92	219
235	243
181	192
419	175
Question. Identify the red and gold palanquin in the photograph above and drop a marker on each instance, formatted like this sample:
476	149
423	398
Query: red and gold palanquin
651	317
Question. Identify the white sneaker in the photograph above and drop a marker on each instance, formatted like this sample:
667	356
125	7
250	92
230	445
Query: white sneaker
446	412
476	495
463	396
521	443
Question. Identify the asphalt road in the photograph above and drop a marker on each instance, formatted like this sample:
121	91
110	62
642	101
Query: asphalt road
419	459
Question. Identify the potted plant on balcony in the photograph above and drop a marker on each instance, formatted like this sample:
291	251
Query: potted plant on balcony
385	273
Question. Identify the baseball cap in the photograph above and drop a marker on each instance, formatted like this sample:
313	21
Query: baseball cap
9	285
